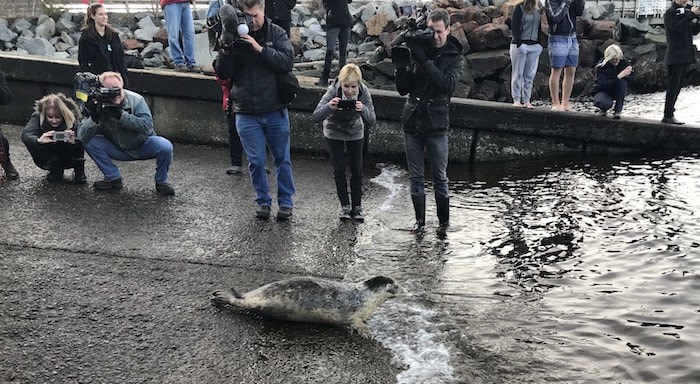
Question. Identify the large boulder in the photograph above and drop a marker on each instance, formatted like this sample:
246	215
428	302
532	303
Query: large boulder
649	74
36	46
489	36
484	64
20	25
6	34
603	30
46	27
458	33
633	28
471	13
146	34
587	54
65	23
600	11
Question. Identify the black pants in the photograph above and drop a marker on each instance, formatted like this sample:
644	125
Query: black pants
56	155
676	75
604	99
234	141
340	35
336	149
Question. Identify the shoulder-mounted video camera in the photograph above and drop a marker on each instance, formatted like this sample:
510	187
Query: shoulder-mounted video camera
88	89
227	24
416	32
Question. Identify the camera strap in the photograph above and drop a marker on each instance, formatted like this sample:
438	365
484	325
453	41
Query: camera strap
423	99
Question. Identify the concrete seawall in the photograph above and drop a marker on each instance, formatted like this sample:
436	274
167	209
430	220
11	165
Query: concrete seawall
187	108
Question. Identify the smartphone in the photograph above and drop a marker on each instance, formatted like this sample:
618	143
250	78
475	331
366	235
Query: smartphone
60	136
347	105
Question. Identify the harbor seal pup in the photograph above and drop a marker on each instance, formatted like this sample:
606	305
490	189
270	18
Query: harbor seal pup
316	300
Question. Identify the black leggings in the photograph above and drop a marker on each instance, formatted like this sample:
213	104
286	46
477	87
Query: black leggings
336	149
56	155
341	35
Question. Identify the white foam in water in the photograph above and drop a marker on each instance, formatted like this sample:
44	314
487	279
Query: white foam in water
387	179
415	344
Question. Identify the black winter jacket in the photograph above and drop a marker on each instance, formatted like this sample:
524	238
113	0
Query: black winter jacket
97	58
337	13
561	16
440	74
606	76
254	75
680	29
279	9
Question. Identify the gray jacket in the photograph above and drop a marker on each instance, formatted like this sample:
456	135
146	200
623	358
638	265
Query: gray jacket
129	132
344	125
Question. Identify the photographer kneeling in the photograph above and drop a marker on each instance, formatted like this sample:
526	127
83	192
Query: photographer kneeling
122	129
50	137
429	78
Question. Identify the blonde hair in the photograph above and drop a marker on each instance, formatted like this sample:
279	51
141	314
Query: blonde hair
66	107
611	53
108	74
350	73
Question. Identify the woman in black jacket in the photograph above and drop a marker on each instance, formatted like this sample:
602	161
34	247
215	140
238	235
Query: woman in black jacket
612	78
50	137
99	48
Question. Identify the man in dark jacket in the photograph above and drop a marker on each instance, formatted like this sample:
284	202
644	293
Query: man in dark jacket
10	171
261	117
338	24
280	12
429	82
681	24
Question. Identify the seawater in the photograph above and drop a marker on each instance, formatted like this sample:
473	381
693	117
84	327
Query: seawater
576	270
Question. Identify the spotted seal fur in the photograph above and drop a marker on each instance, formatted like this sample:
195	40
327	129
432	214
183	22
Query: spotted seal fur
315	300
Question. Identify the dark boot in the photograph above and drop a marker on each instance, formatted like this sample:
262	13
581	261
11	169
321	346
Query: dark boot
55	175
79	171
443	214
10	171
419	208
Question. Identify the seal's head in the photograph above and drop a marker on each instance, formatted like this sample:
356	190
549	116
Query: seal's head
383	284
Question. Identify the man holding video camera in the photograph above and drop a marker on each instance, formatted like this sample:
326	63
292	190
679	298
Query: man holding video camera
253	60
429	78
121	128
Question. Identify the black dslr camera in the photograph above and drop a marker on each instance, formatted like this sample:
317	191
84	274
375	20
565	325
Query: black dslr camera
416	32
92	96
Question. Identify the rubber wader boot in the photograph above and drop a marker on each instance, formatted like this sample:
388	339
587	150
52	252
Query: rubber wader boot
79	171
443	213
419	208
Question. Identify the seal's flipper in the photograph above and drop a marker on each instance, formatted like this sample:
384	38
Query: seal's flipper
361	328
222	297
235	293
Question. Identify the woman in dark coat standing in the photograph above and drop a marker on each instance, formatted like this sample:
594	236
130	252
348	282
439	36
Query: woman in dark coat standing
338	24
680	24
100	49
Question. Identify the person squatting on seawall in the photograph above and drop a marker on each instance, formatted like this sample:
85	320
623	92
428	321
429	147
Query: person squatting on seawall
123	131
10	171
338	24
178	20
262	118
429	82
612	77
525	50
99	48
345	110
563	48
50	137
680	24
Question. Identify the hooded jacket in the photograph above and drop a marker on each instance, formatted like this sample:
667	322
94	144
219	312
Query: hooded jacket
97	58
129	131
438	76
606	76
561	16
254	75
344	125
34	129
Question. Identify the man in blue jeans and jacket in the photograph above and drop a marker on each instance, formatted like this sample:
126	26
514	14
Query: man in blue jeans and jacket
123	132
429	81
253	65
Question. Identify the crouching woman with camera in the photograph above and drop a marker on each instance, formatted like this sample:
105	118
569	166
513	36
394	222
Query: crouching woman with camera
50	137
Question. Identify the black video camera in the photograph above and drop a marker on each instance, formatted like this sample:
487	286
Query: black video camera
416	32
227	27
89	90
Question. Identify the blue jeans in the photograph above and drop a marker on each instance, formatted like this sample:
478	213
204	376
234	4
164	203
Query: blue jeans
271	130
437	151
178	19
604	99
103	151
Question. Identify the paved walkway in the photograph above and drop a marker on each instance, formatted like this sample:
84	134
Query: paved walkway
113	287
